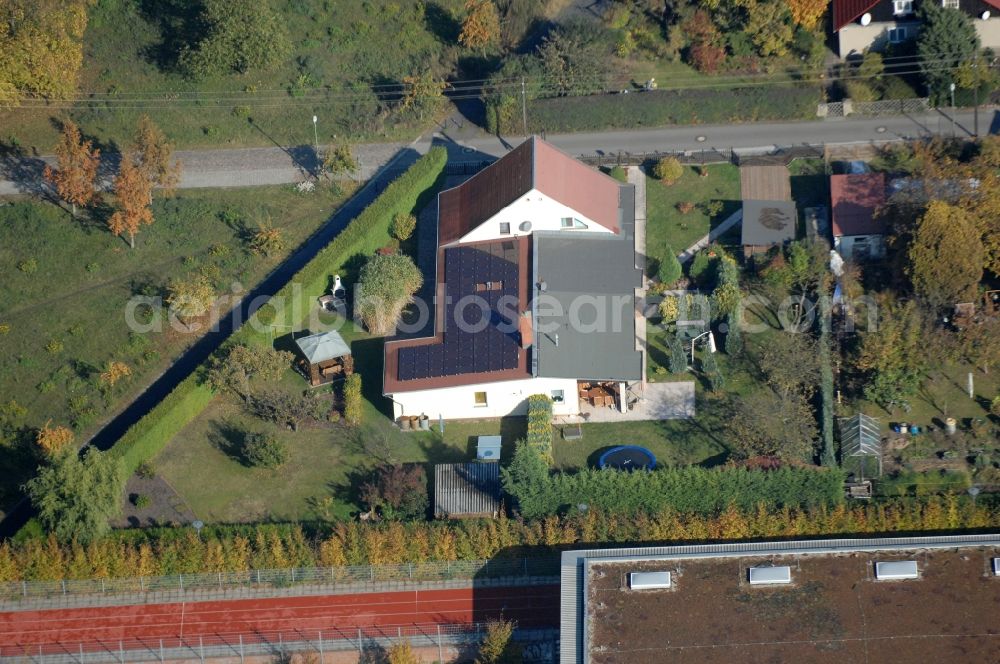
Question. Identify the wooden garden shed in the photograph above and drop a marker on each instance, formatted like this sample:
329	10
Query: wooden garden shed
323	357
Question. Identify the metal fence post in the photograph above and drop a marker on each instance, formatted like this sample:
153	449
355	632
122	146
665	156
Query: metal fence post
81	653
24	588
201	648
161	650
121	652
64	586
180	578
440	647
361	645
320	634
241	649
220	581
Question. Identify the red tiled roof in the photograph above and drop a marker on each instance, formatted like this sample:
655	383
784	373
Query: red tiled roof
845	11
854	200
532	165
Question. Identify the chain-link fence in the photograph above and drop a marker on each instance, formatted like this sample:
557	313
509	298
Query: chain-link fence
873	109
540	645
27	594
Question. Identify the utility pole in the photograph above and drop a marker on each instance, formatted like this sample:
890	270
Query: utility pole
524	108
975	110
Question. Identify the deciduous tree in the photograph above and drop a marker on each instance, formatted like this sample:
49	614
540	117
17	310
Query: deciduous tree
75	174
422	94
498	645
763	423
402	653
41	48
946	255
133	191
338	161
481	27
387	285
807	13
154	156
770	28
53	441
403	225
243	364
397	491
239	35
77	495
353	406
190	297
115	372
573	60
892	356
668	170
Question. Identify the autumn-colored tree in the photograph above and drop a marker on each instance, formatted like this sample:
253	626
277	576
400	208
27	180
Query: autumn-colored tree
41	42
891	357
154	156
770	28
267	240
133	191
190	298
53	440
498	646
668	170
243	364
402	653
946	255
807	13
338	160
481	26
75	174
422	93
115	372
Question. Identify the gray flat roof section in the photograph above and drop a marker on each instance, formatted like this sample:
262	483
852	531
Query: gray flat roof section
585	317
768	222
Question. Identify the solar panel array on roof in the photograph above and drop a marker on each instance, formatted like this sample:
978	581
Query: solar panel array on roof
480	334
770	575
891	571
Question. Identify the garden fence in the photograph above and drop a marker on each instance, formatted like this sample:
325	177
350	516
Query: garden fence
874	109
515	571
540	645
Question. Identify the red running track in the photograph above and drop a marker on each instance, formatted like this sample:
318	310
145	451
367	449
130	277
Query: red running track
530	606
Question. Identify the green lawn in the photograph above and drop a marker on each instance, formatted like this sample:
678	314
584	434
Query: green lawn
674	442
665	225
67	284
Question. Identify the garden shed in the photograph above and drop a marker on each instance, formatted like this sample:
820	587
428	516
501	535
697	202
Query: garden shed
324	357
767	223
466	490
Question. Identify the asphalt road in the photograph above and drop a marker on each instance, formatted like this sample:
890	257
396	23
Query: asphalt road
278	165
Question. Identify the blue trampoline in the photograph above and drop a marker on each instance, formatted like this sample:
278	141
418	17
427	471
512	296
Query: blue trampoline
627	457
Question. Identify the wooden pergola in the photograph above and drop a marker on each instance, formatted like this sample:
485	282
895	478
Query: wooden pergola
323	357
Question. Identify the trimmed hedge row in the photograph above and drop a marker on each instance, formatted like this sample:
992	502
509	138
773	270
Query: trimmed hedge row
667	107
162	551
363	235
366	233
688	490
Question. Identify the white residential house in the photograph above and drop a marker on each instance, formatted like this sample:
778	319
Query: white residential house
535	294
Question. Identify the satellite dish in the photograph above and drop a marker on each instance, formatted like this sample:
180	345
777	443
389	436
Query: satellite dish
985	15
525	226
866	18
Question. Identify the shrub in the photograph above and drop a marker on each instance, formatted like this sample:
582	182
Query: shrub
397	491
262	450
684	207
699	265
353	411
54	346
52	441
669	309
670	267
146	470
282	408
539	435
141	501
267	240
28	266
712	208
387	285
403	225
618	173
678	356
668	170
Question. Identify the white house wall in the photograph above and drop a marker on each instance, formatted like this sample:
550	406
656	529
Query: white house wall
855	38
509	397
544	213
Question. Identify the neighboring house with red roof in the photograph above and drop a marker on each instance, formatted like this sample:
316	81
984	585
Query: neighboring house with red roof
874	24
535	293
858	231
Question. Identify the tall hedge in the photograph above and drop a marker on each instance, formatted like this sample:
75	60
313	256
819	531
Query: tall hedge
363	235
151	551
689	489
666	107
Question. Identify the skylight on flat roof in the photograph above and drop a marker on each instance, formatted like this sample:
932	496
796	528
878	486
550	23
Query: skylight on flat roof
770	575
996	567
897	570
649	580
